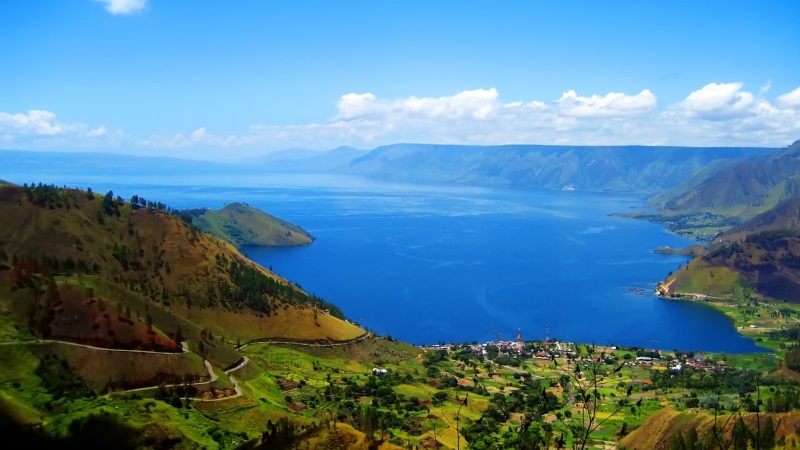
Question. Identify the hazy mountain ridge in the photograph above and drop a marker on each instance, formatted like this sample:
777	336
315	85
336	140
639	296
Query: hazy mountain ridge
597	168
299	160
640	169
81	163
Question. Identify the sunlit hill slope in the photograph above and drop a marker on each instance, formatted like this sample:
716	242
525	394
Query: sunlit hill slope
77	243
242	225
762	253
744	189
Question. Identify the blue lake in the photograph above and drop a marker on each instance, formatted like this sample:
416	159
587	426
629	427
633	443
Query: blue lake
428	264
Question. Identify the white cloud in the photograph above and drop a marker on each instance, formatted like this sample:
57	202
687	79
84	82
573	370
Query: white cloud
790	99
613	104
478	104
36	122
99	131
198	134
42	130
718	102
123	6
723	114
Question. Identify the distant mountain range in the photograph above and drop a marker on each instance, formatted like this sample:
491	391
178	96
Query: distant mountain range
301	160
628	168
87	163
640	169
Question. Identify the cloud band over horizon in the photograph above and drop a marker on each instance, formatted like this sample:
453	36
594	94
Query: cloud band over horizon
718	114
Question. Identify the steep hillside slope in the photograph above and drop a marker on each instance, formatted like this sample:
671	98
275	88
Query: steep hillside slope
762	253
743	189
242	225
630	168
768	262
159	258
669	429
658	200
784	216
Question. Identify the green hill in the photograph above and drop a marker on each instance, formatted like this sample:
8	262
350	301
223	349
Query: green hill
100	296
671	429
784	216
768	262
88	253
726	194
242	225
761	253
744	189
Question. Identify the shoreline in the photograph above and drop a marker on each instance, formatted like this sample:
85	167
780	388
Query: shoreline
737	323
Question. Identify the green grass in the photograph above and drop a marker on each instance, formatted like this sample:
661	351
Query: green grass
17	364
243	225
706	280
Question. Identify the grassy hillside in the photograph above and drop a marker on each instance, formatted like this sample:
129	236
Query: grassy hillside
767	262
668	429
712	168
761	253
148	251
752	274
743	189
243	225
784	216
97	270
99	296
726	194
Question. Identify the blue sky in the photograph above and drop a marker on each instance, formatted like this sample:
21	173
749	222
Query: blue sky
226	80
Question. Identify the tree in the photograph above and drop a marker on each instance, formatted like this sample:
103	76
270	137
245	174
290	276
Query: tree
458	418
717	430
108	203
766	434
585	384
741	434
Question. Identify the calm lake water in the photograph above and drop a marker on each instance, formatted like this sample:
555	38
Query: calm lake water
428	264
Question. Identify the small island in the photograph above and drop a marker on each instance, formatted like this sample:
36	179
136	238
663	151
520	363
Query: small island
241	225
